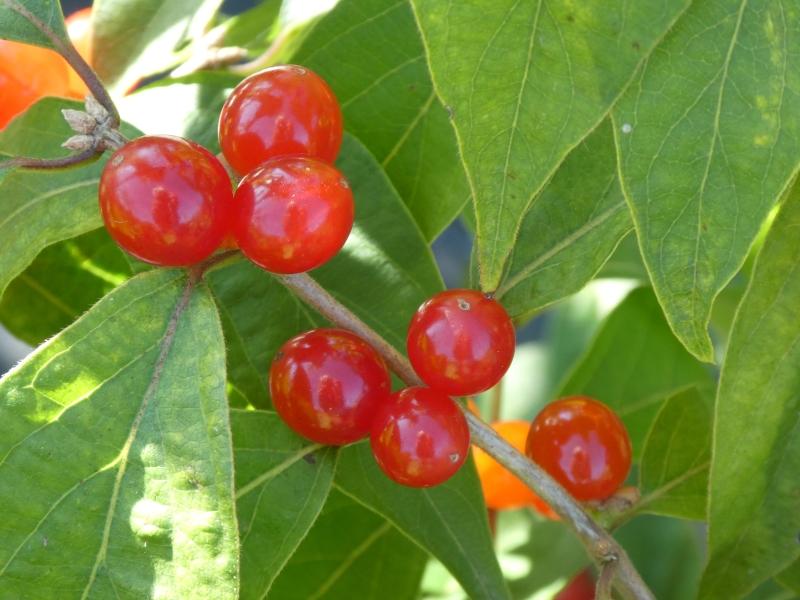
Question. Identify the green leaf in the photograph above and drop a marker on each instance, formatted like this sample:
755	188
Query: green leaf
754	506
386	269
351	553
770	590
571	230
790	578
116	472
253	28
673	474
282	482
525	82
17	18
62	283
136	38
626	262
448	520
709	137
258	316
40	208
370	53
633	363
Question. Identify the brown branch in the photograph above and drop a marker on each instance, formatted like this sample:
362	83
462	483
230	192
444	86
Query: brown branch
599	544
50	163
67	50
605	581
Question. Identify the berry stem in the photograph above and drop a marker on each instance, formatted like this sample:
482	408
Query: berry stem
70	54
598	542
28	162
605	581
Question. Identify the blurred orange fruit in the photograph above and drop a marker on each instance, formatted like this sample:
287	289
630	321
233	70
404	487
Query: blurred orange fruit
501	489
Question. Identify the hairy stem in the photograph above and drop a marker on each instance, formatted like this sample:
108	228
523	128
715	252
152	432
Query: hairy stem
50	163
603	549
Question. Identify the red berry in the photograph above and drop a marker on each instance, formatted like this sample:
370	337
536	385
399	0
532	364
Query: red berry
580	587
419	437
280	111
583	445
292	214
327	384
166	200
461	342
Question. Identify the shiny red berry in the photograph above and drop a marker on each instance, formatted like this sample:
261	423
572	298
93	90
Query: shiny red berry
281	111
461	342
327	384
420	437
292	214
166	200
583	445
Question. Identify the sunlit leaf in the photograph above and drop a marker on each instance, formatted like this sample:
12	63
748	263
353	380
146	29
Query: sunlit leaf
754	506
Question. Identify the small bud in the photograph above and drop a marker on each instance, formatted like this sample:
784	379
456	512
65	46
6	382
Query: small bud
95	109
79	142
79	121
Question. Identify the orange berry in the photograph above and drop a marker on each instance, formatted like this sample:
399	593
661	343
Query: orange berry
501	489
28	73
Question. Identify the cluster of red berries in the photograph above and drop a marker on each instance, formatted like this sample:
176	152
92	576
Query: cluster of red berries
332	387
169	201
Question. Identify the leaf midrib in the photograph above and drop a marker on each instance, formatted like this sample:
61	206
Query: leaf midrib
166	344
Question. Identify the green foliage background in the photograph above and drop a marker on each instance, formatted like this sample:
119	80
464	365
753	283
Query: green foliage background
582	143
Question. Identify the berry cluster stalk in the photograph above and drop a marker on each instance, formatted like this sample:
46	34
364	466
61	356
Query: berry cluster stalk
610	557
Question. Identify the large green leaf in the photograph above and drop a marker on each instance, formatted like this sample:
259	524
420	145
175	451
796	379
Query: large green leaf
525	82
40	208
16	21
61	284
135	38
709	137
371	54
570	231
116	473
448	520
633	363
673	474
282	482
754	506
351	553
